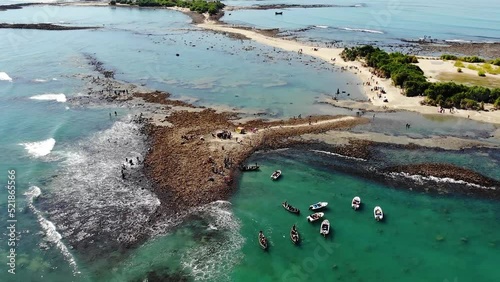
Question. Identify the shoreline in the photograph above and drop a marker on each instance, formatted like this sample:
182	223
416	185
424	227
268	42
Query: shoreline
188	166
396	101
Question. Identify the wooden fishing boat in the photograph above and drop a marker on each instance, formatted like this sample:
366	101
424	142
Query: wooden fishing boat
356	203
276	174
325	228
378	213
294	235
318	206
315	216
249	167
290	208
263	241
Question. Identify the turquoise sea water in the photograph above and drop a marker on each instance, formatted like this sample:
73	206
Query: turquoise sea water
77	220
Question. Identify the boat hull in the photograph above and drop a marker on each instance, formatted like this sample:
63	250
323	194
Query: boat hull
325	228
318	206
310	218
378	213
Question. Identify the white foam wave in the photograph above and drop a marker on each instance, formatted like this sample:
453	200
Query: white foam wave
420	179
321	26
50	231
338	155
40	148
61	98
4	76
87	209
39	80
214	260
362	30
458	41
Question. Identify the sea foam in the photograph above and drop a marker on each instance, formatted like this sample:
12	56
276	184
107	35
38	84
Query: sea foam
420	179
49	229
362	30
51	97
338	155
40	148
5	77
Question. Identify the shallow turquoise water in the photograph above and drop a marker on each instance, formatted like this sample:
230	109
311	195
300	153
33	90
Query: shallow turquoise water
81	190
423	237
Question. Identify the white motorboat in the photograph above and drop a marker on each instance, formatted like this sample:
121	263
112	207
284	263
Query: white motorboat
378	213
356	203
325	227
318	206
276	174
315	216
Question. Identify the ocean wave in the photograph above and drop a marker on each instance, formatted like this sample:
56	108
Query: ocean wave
49	229
40	148
321	26
86	210
61	98
214	259
5	77
421	179
39	80
338	155
458	41
362	30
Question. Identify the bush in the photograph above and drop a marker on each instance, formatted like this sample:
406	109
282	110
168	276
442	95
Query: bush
459	70
481	73
112	2
459	64
448	57
497	103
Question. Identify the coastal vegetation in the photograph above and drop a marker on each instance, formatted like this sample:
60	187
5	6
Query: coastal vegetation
401	69
200	6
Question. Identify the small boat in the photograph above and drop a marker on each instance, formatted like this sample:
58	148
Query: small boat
262	241
325	227
378	213
318	206
356	202
278	13
290	208
294	235
249	167
315	216
276	174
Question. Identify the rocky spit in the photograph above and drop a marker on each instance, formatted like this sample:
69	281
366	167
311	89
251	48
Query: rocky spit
44	26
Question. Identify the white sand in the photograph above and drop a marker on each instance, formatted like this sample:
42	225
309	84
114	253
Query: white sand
393	94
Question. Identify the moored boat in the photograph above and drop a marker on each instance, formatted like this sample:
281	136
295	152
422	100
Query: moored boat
318	206
262	241
315	216
325	227
294	235
276	174
249	167
378	213
290	208
356	203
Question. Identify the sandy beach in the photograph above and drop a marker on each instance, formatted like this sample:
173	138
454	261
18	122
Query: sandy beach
395	99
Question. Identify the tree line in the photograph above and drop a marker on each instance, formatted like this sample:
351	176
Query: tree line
200	6
401	69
